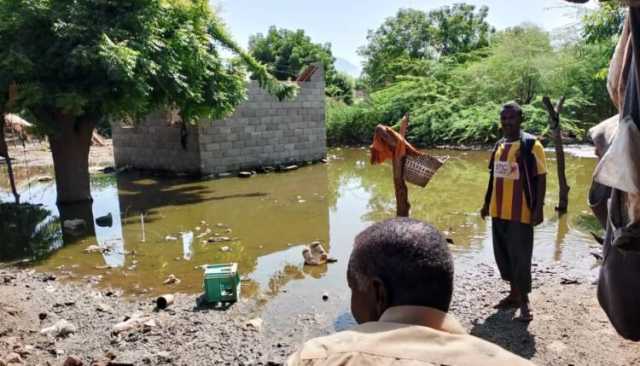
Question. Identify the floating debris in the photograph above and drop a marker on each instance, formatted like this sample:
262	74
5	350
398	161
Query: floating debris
93	249
171	280
316	255
219	239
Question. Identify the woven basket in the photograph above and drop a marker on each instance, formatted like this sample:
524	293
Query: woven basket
419	169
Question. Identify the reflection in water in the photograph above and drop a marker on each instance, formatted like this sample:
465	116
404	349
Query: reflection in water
27	232
187	242
173	226
561	233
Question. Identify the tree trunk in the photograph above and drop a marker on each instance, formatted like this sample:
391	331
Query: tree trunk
554	124
4	152
70	146
402	193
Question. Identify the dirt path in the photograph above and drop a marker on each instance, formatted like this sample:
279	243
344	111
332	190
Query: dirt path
569	328
37	154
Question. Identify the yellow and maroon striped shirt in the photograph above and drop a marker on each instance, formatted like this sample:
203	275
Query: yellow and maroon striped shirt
507	199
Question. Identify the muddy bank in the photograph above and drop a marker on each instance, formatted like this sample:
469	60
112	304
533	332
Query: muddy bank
569	327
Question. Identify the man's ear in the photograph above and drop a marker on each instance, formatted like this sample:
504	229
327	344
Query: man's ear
381	295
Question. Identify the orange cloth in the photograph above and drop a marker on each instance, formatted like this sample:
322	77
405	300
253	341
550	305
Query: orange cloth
381	150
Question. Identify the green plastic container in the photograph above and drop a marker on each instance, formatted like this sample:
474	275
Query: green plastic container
221	282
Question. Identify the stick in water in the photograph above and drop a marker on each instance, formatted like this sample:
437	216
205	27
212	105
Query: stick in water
142	224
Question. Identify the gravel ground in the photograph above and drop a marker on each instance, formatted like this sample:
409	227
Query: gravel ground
569	327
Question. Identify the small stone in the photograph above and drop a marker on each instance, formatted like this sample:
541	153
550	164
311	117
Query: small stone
73	361
163	357
255	323
104	308
13	358
325	296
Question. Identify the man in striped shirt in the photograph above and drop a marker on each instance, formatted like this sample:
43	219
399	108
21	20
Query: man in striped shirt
515	199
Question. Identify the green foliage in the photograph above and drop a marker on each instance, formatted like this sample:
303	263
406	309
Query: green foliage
286	53
121	59
459	102
605	24
415	35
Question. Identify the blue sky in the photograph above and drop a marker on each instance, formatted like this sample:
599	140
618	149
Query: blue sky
344	23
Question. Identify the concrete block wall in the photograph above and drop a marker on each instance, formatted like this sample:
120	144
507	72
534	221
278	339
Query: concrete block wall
264	131
154	144
261	132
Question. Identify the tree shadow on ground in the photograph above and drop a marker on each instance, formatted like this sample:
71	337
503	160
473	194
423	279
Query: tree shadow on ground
502	329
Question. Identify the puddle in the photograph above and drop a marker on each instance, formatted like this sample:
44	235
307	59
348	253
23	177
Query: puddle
164	226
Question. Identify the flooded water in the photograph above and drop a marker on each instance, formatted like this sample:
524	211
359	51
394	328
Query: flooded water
160	226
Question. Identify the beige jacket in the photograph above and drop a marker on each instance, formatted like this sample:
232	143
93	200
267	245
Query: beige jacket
405	336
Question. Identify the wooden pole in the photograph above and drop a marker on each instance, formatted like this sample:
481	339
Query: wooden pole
554	124
4	152
402	193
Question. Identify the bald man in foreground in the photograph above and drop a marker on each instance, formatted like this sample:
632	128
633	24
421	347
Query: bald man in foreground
401	279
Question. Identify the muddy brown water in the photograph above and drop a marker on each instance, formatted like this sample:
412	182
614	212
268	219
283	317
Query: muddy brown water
269	218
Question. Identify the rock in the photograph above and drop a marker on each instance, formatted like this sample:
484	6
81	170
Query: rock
255	324
42	316
13	358
104	308
245	174
45	178
73	361
74	225
290	168
108	170
324	161
332	260
569	281
172	279
105	221
164	357
325	296
225	249
61	328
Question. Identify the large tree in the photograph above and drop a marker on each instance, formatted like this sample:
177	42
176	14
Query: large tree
415	34
286	52
78	62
